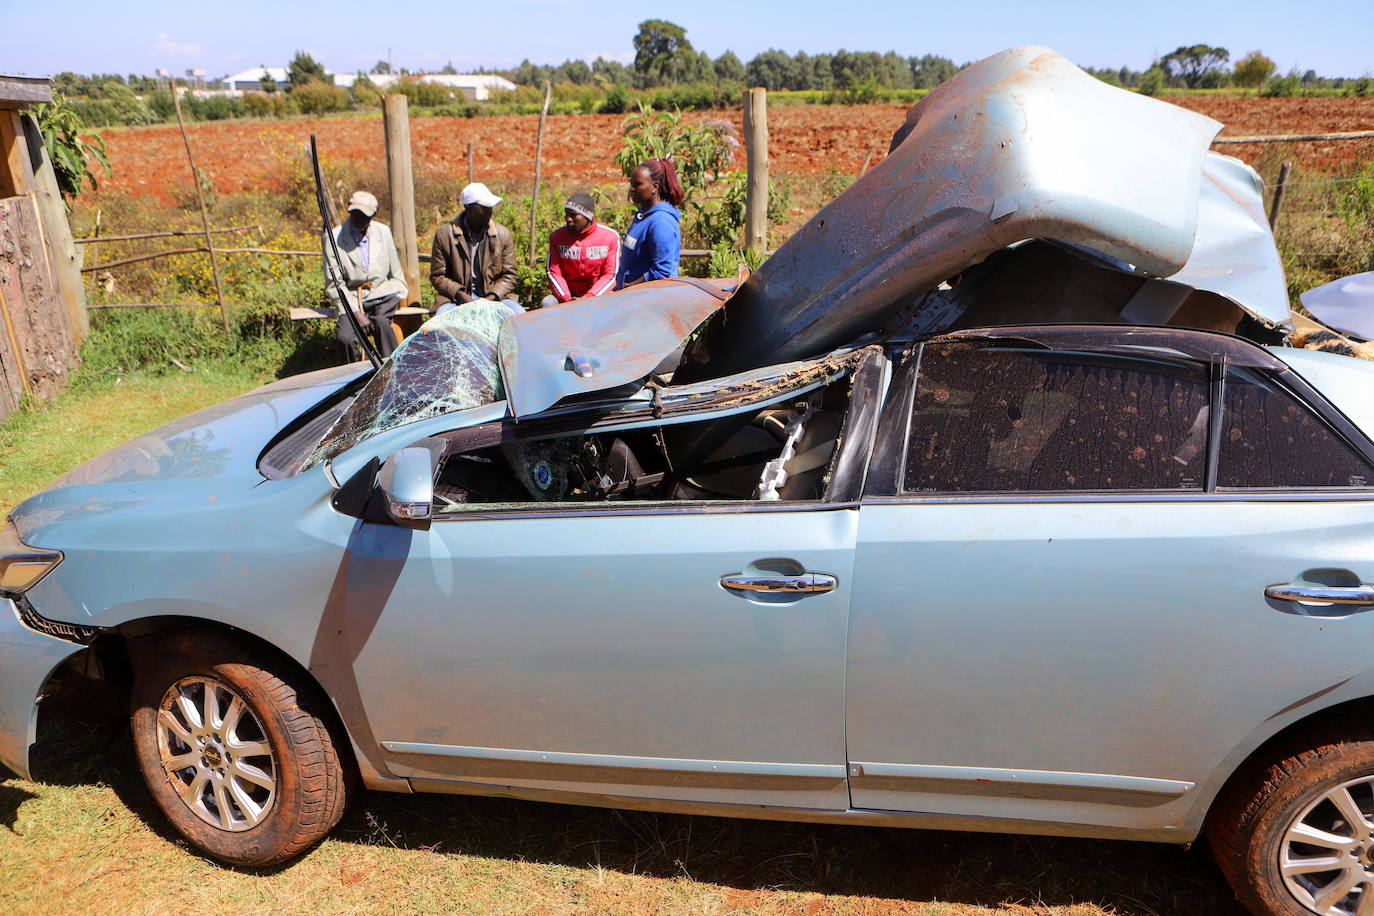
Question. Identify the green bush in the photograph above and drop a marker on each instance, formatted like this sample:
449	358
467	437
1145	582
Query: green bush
701	152
617	100
317	97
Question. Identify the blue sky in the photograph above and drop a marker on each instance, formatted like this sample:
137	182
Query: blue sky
1332	38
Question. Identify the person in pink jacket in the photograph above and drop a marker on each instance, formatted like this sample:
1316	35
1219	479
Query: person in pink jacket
584	255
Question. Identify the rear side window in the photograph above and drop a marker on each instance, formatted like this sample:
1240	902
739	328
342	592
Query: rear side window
1269	438
1003	420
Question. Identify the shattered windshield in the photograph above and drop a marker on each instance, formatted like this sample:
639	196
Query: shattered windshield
450	364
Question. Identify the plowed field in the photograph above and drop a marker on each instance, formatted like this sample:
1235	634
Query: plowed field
578	149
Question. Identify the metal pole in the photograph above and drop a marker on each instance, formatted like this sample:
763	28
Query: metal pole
1279	190
538	165
204	213
401	180
756	147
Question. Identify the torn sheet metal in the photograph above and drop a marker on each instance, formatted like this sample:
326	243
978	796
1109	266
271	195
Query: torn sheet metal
1020	145
1234	253
450	364
600	343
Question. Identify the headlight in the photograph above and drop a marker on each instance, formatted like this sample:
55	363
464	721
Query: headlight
22	566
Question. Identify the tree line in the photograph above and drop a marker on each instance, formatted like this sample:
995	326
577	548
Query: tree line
667	73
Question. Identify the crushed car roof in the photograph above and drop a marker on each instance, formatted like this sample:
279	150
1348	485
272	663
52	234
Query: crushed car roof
1018	146
1054	196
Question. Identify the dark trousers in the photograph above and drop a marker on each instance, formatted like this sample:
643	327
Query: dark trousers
377	322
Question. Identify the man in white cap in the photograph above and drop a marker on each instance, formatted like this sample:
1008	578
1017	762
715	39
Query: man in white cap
371	271
474	256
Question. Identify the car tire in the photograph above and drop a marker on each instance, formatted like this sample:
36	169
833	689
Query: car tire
235	748
1322	791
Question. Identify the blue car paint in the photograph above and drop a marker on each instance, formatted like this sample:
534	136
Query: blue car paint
973	610
160	502
27	660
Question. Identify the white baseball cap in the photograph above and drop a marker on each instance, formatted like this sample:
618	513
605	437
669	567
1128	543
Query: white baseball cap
363	202
478	193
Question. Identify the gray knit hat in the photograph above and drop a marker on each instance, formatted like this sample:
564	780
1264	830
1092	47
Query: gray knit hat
583	204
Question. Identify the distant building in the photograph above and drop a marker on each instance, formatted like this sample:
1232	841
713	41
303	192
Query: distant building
251	80
477	87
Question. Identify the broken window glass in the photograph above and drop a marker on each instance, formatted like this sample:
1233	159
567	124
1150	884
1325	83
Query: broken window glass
781	451
450	364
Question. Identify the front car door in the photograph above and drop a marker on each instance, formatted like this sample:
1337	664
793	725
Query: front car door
592	649
1060	621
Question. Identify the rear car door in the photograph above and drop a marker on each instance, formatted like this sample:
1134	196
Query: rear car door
1059	605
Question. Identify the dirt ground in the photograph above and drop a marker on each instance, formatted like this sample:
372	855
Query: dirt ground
245	156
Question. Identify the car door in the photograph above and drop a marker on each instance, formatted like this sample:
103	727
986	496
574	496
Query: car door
595	649
1060	614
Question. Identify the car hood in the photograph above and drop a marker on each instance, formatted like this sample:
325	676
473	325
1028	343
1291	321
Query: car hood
1022	145
202	456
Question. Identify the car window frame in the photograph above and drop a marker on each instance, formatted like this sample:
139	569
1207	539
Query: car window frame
888	462
869	376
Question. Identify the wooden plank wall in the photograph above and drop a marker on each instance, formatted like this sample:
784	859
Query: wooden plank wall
37	346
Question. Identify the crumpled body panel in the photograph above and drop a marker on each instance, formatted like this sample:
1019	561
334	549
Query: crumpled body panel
1021	145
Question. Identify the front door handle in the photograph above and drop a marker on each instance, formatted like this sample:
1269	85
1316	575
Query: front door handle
803	583
1356	595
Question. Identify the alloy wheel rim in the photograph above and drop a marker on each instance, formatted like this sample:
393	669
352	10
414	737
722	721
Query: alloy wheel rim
215	754
1327	854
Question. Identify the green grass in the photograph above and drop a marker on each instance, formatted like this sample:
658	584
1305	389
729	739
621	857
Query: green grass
87	839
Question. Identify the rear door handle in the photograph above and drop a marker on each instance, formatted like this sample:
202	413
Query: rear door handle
804	583
1356	595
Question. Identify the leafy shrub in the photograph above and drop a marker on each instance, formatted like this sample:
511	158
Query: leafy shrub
722	224
1283	86
264	105
699	152
617	100
1153	82
317	97
212	108
70	145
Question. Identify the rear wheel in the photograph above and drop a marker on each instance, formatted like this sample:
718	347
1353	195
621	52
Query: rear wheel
1296	837
236	755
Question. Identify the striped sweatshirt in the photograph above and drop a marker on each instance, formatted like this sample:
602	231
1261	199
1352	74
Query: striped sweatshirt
583	264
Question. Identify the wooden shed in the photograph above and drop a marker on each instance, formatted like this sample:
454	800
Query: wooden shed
42	302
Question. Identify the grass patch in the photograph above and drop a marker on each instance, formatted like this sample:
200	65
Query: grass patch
87	839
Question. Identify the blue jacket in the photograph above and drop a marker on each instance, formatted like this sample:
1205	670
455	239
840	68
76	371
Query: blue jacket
652	245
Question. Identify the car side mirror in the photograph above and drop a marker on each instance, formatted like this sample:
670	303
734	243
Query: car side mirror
406	484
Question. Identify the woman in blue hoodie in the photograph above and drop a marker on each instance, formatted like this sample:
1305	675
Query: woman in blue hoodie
654	241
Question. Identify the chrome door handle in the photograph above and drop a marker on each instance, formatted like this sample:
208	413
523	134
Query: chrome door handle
1358	595
808	583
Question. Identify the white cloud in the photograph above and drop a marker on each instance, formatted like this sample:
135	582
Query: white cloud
625	57
165	43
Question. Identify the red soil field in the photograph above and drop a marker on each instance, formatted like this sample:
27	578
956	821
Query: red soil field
578	149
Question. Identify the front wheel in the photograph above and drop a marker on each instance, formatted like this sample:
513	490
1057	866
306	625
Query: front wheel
236	757
1297	837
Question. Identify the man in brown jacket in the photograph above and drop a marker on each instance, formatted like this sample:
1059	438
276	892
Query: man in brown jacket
473	256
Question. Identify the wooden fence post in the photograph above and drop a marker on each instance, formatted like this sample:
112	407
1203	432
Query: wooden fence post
52	214
204	213
538	166
401	181
1279	190
470	178
756	147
